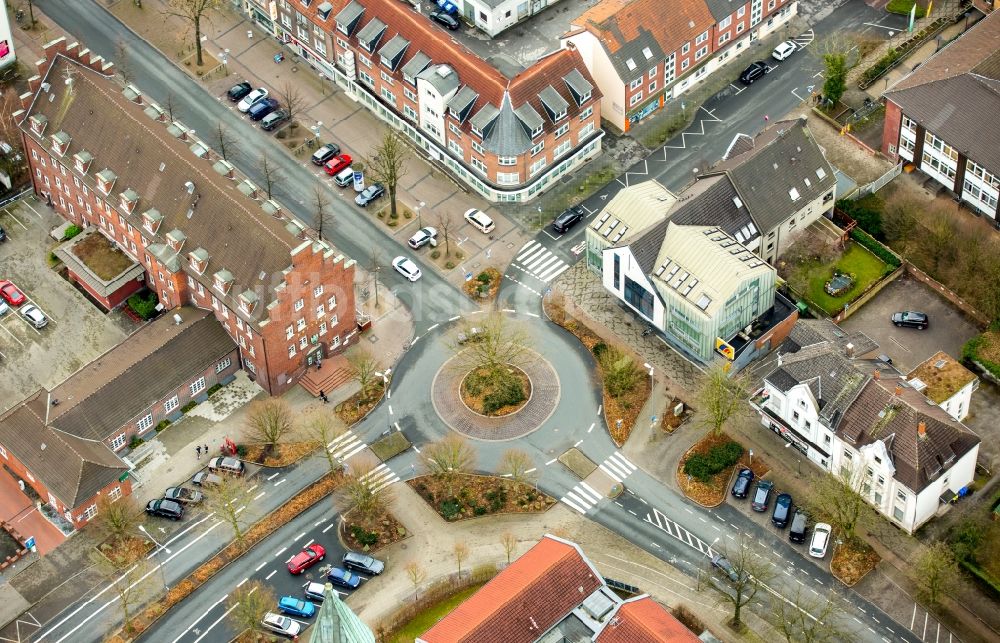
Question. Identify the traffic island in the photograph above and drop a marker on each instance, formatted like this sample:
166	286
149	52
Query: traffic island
705	470
467	495
484	287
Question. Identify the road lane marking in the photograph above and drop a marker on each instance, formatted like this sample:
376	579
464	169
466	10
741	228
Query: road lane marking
273	572
328	527
273	476
198	620
451	319
240	584
283	480
280	551
432	327
551	461
259	495
592	425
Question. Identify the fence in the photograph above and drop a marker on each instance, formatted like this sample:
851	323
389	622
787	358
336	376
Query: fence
877	184
970	311
874	289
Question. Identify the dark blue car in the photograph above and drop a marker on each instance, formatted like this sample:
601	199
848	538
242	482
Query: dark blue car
742	484
262	108
344	578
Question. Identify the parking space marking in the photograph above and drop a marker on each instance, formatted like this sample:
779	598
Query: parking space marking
11	334
28	205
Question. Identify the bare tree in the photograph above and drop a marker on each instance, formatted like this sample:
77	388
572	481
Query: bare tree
270	173
324	427
116	520
367	496
416	574
193	12
515	466
498	343
248	604
837	497
225	501
363	367
374	267
447	458
31	14
224	141
719	397
445	223
170	105
461	552
936	572
268	421
321	204
123	63
292	98
124	577
387	164
509	542
807	619
747	575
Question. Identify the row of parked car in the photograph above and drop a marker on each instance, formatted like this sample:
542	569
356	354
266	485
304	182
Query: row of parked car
174	499
783	513
12	297
258	105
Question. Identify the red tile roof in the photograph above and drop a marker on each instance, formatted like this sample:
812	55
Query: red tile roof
618	22
525	600
643	620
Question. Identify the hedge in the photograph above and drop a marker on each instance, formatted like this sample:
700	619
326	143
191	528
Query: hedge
718	459
875	247
985	578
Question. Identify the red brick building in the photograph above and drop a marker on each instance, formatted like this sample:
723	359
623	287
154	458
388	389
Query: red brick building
508	138
110	292
108	157
65	442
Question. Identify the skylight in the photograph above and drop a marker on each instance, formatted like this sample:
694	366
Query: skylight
703	302
647	53
794	194
821	173
630	64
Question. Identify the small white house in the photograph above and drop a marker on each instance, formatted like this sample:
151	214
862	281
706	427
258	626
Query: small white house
946	383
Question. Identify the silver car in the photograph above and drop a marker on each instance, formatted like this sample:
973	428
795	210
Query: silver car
34	316
281	625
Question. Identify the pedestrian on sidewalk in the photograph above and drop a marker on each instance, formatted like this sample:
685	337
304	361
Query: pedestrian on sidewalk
323	397
198	451
206	450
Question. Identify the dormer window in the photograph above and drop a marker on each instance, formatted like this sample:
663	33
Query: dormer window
223	281
82	161
106	180
176	239
561	115
537	131
198	260
199	149
128	200
38	123
585	98
151	220
323	11
248	301
60	143
349	17
476	131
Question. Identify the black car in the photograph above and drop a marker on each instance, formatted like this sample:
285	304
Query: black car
275	118
762	495
782	510
237	92
742	484
165	508
911	319
325	153
800	522
369	194
262	108
363	563
569	218
3	234
445	20
753	72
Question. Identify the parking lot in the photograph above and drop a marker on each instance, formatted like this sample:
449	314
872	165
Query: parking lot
77	331
908	347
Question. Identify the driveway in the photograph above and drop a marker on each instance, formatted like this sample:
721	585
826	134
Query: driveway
908	347
77	332
17	510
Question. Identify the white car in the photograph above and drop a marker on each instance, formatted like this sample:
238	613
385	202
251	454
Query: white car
34	316
784	50
406	268
281	624
251	99
4	308
422	237
820	540
479	220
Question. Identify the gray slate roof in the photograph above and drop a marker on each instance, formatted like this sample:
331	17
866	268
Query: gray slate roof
486	114
531	119
372	31
393	50
443	84
552	101
417	64
507	137
349	14
834	379
633	50
722	8
578	83
462	99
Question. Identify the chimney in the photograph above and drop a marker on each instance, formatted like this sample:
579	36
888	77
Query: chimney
921	430
849	350
877	374
898	391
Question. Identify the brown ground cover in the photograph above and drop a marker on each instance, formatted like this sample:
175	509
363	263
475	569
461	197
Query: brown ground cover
96	252
360	404
371	533
851	561
283	455
473	495
475	287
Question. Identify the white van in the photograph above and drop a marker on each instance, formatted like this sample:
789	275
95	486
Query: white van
479	220
344	177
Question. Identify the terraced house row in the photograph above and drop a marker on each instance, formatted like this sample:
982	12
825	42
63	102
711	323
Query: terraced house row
507	138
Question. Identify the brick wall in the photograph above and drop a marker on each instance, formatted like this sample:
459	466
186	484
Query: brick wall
890	132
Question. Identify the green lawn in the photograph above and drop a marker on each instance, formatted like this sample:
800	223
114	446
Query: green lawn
424	620
858	261
903	7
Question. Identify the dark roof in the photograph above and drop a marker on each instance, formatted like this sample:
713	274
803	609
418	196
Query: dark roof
108	393
834	379
722	8
711	201
957	90
880	414
782	380
784	157
73	468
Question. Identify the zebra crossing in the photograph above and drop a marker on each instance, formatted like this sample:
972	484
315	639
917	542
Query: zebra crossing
345	445
538	261
661	522
379	478
582	497
616	466
805	39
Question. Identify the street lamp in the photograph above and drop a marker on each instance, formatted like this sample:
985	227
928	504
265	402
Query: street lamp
539	216
751	457
159	547
420	223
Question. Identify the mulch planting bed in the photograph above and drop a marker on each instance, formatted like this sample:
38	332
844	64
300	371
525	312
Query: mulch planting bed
359	405
372	533
474	495
283	455
713	492
475	402
480	290
852	561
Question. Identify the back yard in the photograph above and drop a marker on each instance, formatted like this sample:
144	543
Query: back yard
807	273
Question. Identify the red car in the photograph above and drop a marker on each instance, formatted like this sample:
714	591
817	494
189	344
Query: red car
11	293
337	164
306	558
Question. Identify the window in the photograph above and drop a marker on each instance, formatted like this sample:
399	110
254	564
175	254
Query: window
636	84
299	304
303	342
410	113
144	423
725	22
795	415
981	172
508	178
197	386
291	350
638	297
686	48
3	452
115	494
289	332
334	320
456	148
477	147
386	78
562	148
585	131
587	113
388	96
320	311
724	38
537	166
617	272
223	364
366	78
300	324
507	160
701	52
701	38
478	165
635	99
318	290
118	441
909	123
322	329
409	94
741	11
652	87
684	64
90	512
331	303
170	404
537	147
455	129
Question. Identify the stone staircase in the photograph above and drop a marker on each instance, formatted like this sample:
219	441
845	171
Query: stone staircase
333	373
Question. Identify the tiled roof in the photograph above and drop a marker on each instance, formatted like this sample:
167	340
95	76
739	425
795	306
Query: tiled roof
712	201
106	394
522	602
943	375
782	380
953	90
73	468
643	620
638	34
880	414
784	158
834	379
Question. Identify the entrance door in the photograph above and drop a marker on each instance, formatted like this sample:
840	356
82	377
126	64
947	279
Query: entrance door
315	356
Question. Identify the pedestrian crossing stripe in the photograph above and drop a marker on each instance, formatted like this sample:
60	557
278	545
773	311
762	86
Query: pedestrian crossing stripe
617	466
582	497
345	445
379	478
539	262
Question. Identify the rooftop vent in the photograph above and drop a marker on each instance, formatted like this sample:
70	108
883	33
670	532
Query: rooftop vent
189	186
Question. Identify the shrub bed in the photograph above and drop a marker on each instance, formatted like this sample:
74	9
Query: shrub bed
719	458
478	496
143	304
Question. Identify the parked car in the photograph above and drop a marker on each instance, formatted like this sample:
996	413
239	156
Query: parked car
363	563
568	218
281	625
262	108
165	509
344	578
762	495
325	153
11	293
239	91
306	558
296	607
784	50
909	319
782	510
338	163
345	177
479	220
422	237
315	592
407	268
34	316
251	99
206	479
369	194
231	466
722	563
4	308
800	524
753	72
183	495
3	234
741	487
820	540
272	120
445	20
